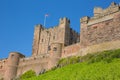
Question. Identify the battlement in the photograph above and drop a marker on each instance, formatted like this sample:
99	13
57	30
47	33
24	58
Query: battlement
61	21
64	20
98	11
34	57
102	27
98	33
2	63
101	14
3	59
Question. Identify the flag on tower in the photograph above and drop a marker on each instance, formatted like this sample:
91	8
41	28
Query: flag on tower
46	15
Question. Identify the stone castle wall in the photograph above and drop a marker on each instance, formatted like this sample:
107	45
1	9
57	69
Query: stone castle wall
101	28
43	38
36	63
71	50
111	45
3	63
98	33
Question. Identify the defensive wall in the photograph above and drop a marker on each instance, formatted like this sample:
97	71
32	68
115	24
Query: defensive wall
98	33
71	50
104	26
3	63
36	63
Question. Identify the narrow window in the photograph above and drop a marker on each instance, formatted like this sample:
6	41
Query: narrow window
49	48
54	49
53	37
1	67
42	40
107	23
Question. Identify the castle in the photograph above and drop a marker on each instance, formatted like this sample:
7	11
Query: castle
98	33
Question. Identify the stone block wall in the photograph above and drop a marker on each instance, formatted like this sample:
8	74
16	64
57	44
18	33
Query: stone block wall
70	50
74	37
62	33
3	63
36	63
98	33
103	28
111	45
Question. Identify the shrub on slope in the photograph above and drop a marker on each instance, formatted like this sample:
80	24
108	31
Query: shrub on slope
98	66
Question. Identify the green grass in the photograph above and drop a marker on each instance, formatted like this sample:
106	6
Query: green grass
100	66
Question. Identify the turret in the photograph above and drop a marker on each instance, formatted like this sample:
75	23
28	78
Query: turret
83	30
56	49
84	21
37	33
11	67
64	22
55	53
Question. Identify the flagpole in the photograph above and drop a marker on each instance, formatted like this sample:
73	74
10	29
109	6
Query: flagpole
45	20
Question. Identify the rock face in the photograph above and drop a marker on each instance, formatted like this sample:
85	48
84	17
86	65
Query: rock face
98	33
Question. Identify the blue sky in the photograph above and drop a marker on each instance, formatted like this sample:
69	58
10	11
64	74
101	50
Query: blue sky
18	18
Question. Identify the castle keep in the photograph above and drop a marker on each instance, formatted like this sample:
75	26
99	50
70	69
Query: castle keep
98	33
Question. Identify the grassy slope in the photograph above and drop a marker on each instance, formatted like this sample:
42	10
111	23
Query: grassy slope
100	70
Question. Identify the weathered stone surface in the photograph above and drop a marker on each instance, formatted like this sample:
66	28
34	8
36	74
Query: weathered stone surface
98	33
103	27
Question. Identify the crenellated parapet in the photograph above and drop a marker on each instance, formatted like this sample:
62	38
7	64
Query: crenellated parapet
3	62
35	63
98	33
64	21
101	15
99	12
102	27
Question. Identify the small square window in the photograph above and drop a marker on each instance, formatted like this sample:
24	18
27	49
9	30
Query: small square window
54	49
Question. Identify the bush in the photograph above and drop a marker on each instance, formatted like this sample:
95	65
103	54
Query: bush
103	56
28	74
69	60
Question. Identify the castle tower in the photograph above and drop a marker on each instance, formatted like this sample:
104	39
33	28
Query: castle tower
65	24
36	40
83	31
11	67
55	54
43	38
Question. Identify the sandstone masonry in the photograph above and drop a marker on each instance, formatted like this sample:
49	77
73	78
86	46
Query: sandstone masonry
98	33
